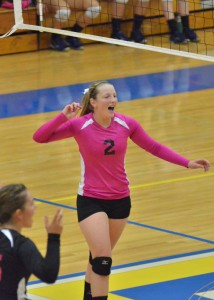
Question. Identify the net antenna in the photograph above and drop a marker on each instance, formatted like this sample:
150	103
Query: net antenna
20	25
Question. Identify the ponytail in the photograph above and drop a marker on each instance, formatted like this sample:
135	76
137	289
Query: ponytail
86	105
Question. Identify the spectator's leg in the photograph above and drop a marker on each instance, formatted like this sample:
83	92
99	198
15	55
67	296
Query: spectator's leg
140	10
118	10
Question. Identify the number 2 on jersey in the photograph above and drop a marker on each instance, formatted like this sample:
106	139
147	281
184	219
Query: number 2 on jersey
108	150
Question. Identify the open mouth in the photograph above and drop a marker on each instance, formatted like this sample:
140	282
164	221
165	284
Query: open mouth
111	108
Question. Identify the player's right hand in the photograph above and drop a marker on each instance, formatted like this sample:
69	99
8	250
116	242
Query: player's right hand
71	110
55	225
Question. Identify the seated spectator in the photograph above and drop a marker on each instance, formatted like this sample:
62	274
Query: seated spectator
140	7
118	11
8	4
185	33
61	11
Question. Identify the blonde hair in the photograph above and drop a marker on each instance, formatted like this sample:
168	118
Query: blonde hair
91	93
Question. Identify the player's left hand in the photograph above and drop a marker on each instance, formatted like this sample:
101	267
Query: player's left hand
199	163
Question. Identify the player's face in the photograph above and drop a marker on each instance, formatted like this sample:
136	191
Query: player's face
28	211
106	101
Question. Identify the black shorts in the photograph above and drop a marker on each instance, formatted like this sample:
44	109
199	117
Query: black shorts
115	209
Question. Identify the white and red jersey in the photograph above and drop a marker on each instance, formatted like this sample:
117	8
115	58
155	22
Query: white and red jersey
103	150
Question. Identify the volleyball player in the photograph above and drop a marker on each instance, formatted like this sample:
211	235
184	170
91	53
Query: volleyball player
103	200
19	256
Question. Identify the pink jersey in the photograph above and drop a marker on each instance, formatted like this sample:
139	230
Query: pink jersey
102	151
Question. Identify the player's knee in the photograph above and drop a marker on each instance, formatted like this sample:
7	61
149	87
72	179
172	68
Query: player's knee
102	265
93	11
122	1
62	14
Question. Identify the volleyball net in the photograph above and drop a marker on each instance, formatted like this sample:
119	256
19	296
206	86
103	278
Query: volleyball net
99	28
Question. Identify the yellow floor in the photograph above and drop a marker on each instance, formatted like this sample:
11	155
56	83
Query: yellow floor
130	277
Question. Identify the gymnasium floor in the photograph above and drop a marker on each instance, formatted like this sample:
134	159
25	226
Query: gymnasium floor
181	275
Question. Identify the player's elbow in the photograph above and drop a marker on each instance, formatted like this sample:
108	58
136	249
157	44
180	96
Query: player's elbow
50	277
37	138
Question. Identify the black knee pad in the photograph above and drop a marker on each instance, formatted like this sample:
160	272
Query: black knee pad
102	265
